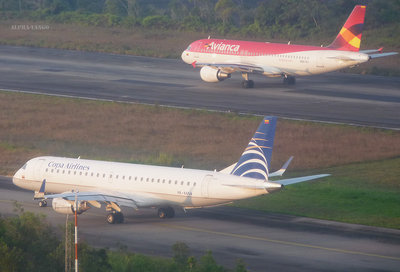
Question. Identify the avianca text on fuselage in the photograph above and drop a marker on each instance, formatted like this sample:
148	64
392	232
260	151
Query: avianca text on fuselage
218	59
221	46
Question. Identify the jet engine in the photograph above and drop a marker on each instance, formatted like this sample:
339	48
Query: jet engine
61	205
209	74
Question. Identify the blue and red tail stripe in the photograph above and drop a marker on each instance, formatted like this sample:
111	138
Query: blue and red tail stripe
256	158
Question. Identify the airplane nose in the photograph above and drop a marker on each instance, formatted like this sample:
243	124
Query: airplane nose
185	57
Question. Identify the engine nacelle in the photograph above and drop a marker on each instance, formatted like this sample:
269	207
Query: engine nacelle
61	205
209	74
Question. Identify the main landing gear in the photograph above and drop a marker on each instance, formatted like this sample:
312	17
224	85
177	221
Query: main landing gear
246	83
115	218
42	203
289	80
167	212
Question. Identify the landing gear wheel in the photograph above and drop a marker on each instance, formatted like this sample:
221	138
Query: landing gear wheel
170	212
115	218
248	84
111	218
289	80
119	218
162	213
167	212
42	203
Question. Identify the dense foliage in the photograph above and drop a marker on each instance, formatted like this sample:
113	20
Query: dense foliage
267	18
28	243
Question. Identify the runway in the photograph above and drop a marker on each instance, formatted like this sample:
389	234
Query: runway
334	97
266	242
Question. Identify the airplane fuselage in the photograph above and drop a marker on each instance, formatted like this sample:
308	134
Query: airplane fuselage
150	186
274	59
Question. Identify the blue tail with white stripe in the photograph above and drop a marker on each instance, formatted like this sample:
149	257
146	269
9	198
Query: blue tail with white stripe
255	161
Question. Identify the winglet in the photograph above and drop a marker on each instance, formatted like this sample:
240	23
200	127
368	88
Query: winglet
194	64
282	170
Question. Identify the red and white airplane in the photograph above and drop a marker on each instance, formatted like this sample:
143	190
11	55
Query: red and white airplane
219	58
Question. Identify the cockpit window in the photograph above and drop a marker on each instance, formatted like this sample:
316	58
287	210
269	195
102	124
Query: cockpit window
188	48
24	167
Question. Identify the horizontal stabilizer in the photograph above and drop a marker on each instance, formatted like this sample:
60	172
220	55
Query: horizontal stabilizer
300	179
282	170
370	51
380	55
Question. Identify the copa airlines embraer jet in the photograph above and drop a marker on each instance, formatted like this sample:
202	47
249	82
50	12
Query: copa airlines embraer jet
218	58
137	186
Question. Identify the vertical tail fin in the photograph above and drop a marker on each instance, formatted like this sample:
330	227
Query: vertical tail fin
256	158
349	37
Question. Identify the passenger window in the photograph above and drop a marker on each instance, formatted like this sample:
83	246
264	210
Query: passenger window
104	175
181	182
188	183
52	170
58	171
47	170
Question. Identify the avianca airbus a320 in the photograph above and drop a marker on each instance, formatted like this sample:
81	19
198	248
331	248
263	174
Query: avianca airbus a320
218	58
136	186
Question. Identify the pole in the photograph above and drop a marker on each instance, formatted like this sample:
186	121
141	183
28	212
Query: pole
76	232
66	244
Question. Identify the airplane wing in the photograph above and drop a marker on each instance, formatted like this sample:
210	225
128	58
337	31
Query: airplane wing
241	67
299	179
118	198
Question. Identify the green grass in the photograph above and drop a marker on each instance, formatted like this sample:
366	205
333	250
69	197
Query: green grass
362	193
364	162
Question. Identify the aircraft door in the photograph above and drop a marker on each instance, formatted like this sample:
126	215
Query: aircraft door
320	61
38	169
205	184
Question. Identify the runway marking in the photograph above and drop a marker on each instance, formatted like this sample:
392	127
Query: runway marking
243	236
191	108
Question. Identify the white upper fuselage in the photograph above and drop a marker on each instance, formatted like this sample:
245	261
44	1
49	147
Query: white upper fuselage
274	59
148	185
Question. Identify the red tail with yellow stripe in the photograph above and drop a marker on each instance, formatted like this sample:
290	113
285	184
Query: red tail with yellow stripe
349	37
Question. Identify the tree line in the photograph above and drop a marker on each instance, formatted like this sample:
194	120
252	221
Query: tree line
28	243
267	18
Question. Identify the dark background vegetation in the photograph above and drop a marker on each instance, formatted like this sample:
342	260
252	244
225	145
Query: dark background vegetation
266	18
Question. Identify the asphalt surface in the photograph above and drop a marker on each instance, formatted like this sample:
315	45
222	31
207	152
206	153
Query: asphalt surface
266	242
334	97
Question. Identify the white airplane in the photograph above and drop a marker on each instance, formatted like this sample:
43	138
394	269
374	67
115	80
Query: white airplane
219	58
137	186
